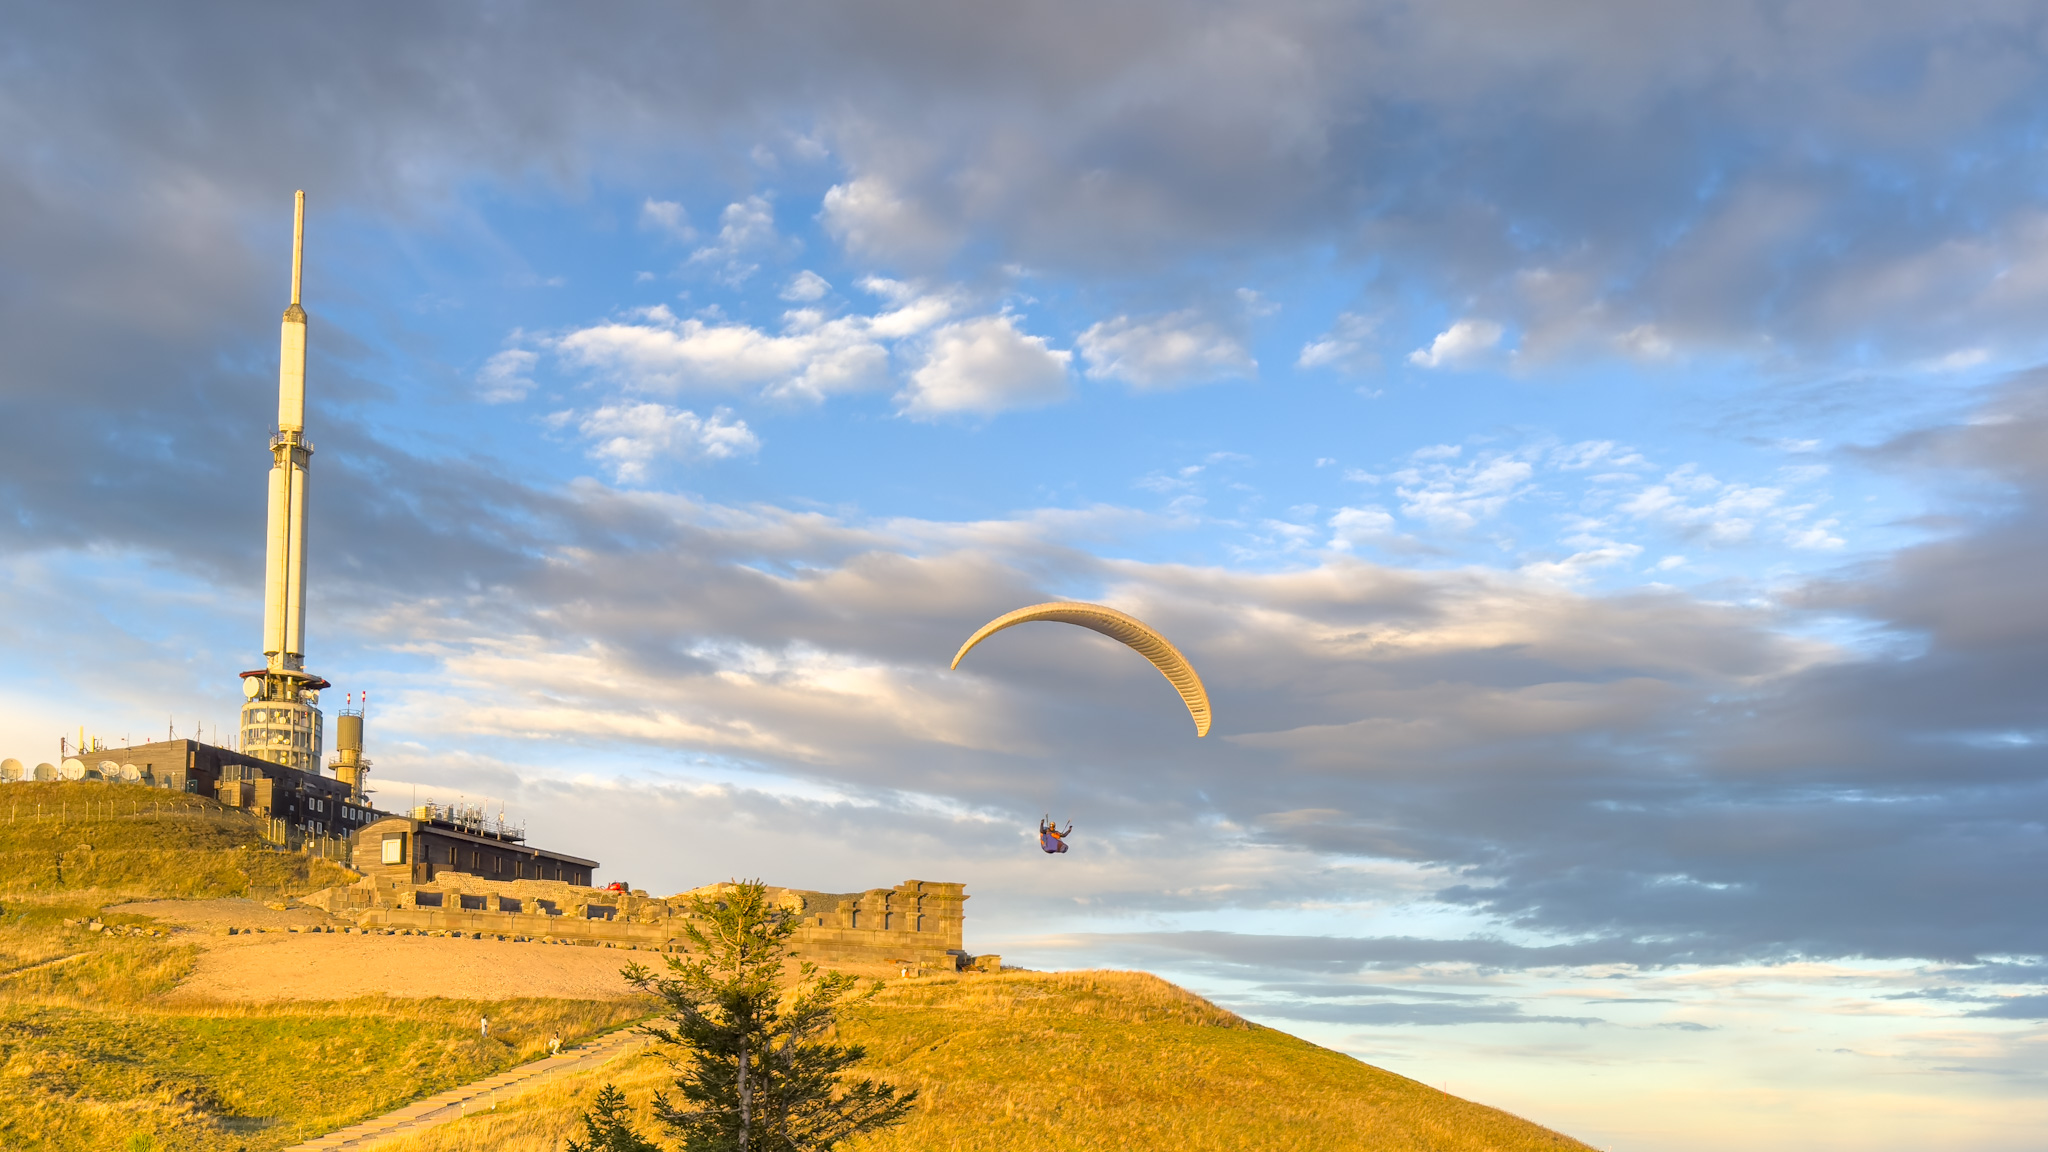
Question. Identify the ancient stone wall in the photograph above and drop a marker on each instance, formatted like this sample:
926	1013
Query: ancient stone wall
916	924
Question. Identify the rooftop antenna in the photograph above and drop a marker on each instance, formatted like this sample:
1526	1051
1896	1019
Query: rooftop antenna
298	241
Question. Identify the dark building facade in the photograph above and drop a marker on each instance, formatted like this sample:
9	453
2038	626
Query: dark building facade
415	849
307	803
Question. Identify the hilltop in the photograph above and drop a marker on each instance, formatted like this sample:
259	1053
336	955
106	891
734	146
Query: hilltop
1079	1060
146	1026
113	841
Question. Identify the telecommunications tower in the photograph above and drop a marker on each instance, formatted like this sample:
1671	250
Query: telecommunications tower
281	721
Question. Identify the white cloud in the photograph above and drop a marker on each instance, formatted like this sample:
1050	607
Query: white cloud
1644	342
746	227
1574	568
1346	345
805	287
869	218
667	216
1350	527
1588	453
984	366
1956	361
1819	536
633	438
1256	304
1164	351
811	358
1733	515
507	376
1449	496
1460	344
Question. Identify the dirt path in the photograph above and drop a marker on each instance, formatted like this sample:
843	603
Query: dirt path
455	1103
278	963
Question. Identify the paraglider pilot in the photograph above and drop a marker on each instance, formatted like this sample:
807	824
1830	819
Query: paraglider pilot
1050	838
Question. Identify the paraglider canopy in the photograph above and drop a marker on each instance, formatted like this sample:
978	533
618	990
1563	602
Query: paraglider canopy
1127	630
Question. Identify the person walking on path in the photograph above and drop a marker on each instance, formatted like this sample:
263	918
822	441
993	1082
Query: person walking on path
484	1026
555	1044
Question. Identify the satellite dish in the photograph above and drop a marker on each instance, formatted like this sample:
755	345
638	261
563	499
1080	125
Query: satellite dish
74	769
130	773
251	686
10	770
46	771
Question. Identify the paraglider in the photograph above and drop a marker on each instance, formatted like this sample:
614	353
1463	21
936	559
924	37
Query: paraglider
1050	838
1127	630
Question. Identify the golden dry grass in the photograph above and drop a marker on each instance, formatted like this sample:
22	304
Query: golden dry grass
103	843
1077	1061
94	1056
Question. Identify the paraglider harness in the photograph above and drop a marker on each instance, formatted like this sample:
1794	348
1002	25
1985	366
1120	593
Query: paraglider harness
1050	838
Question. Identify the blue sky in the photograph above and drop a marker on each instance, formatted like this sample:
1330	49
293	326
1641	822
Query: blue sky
1592	453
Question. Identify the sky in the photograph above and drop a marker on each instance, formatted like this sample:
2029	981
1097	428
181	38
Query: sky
1596	455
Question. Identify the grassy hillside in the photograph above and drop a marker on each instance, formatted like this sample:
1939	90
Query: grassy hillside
91	1055
127	842
1081	1061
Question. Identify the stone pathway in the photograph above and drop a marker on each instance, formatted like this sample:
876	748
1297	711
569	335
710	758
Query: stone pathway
455	1103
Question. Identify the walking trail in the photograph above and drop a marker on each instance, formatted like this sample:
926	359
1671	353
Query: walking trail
455	1103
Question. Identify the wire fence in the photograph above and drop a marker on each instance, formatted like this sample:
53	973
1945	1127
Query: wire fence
277	833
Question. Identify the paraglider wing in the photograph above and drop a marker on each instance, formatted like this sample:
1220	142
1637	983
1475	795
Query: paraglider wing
1127	630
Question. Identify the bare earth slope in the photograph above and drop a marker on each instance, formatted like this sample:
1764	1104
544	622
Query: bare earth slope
278	964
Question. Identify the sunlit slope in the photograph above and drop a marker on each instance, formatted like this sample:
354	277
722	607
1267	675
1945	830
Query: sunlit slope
94	1056
1082	1061
1123	1060
137	843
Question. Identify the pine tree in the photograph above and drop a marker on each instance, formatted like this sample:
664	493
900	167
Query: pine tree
756	1072
606	1126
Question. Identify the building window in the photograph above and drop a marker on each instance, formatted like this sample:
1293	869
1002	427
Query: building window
427	899
854	922
888	921
508	904
472	903
394	850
